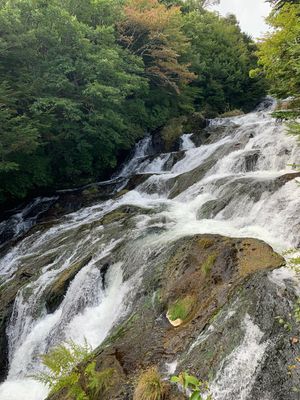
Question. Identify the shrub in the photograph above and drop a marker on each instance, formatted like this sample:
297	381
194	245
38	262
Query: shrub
150	386
172	132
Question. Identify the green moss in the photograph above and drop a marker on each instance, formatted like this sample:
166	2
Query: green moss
121	193
215	315
90	192
205	243
113	216
232	113
181	309
208	263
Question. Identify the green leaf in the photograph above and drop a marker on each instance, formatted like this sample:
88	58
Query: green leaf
191	380
196	395
175	379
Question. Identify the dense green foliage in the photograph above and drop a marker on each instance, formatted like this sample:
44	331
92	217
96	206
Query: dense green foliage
222	57
280	3
279	52
67	87
279	58
82	81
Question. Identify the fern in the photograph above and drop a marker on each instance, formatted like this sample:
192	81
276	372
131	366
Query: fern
65	370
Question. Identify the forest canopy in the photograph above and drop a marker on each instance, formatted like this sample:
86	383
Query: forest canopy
81	81
279	58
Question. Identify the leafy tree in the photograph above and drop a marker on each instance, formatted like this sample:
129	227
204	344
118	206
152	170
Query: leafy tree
279	59
280	3
222	57
153	31
279	51
67	87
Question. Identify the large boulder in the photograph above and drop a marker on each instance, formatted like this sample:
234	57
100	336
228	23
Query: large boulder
219	288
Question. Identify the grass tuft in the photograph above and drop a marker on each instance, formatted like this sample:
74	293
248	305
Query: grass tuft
150	386
208	263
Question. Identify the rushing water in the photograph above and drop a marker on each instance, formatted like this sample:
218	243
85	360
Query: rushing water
232	185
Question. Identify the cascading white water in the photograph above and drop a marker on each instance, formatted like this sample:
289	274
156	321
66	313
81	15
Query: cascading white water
23	220
140	152
186	142
237	194
235	377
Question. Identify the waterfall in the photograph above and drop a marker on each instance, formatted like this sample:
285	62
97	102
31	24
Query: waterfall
21	221
140	152
186	142
240	183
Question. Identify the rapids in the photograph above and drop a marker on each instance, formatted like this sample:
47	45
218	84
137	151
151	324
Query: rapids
235	184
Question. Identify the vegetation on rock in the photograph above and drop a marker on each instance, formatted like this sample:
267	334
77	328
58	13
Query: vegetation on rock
181	309
67	369
139	348
150	386
193	387
208	263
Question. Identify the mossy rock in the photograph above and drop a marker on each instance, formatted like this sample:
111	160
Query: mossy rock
8	294
58	289
90	191
181	310
196	279
121	193
118	215
208	263
187	179
114	216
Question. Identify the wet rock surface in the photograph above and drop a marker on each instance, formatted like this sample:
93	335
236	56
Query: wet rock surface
233	291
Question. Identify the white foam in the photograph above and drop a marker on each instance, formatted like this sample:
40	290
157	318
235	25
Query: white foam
186	142
237	373
27	389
